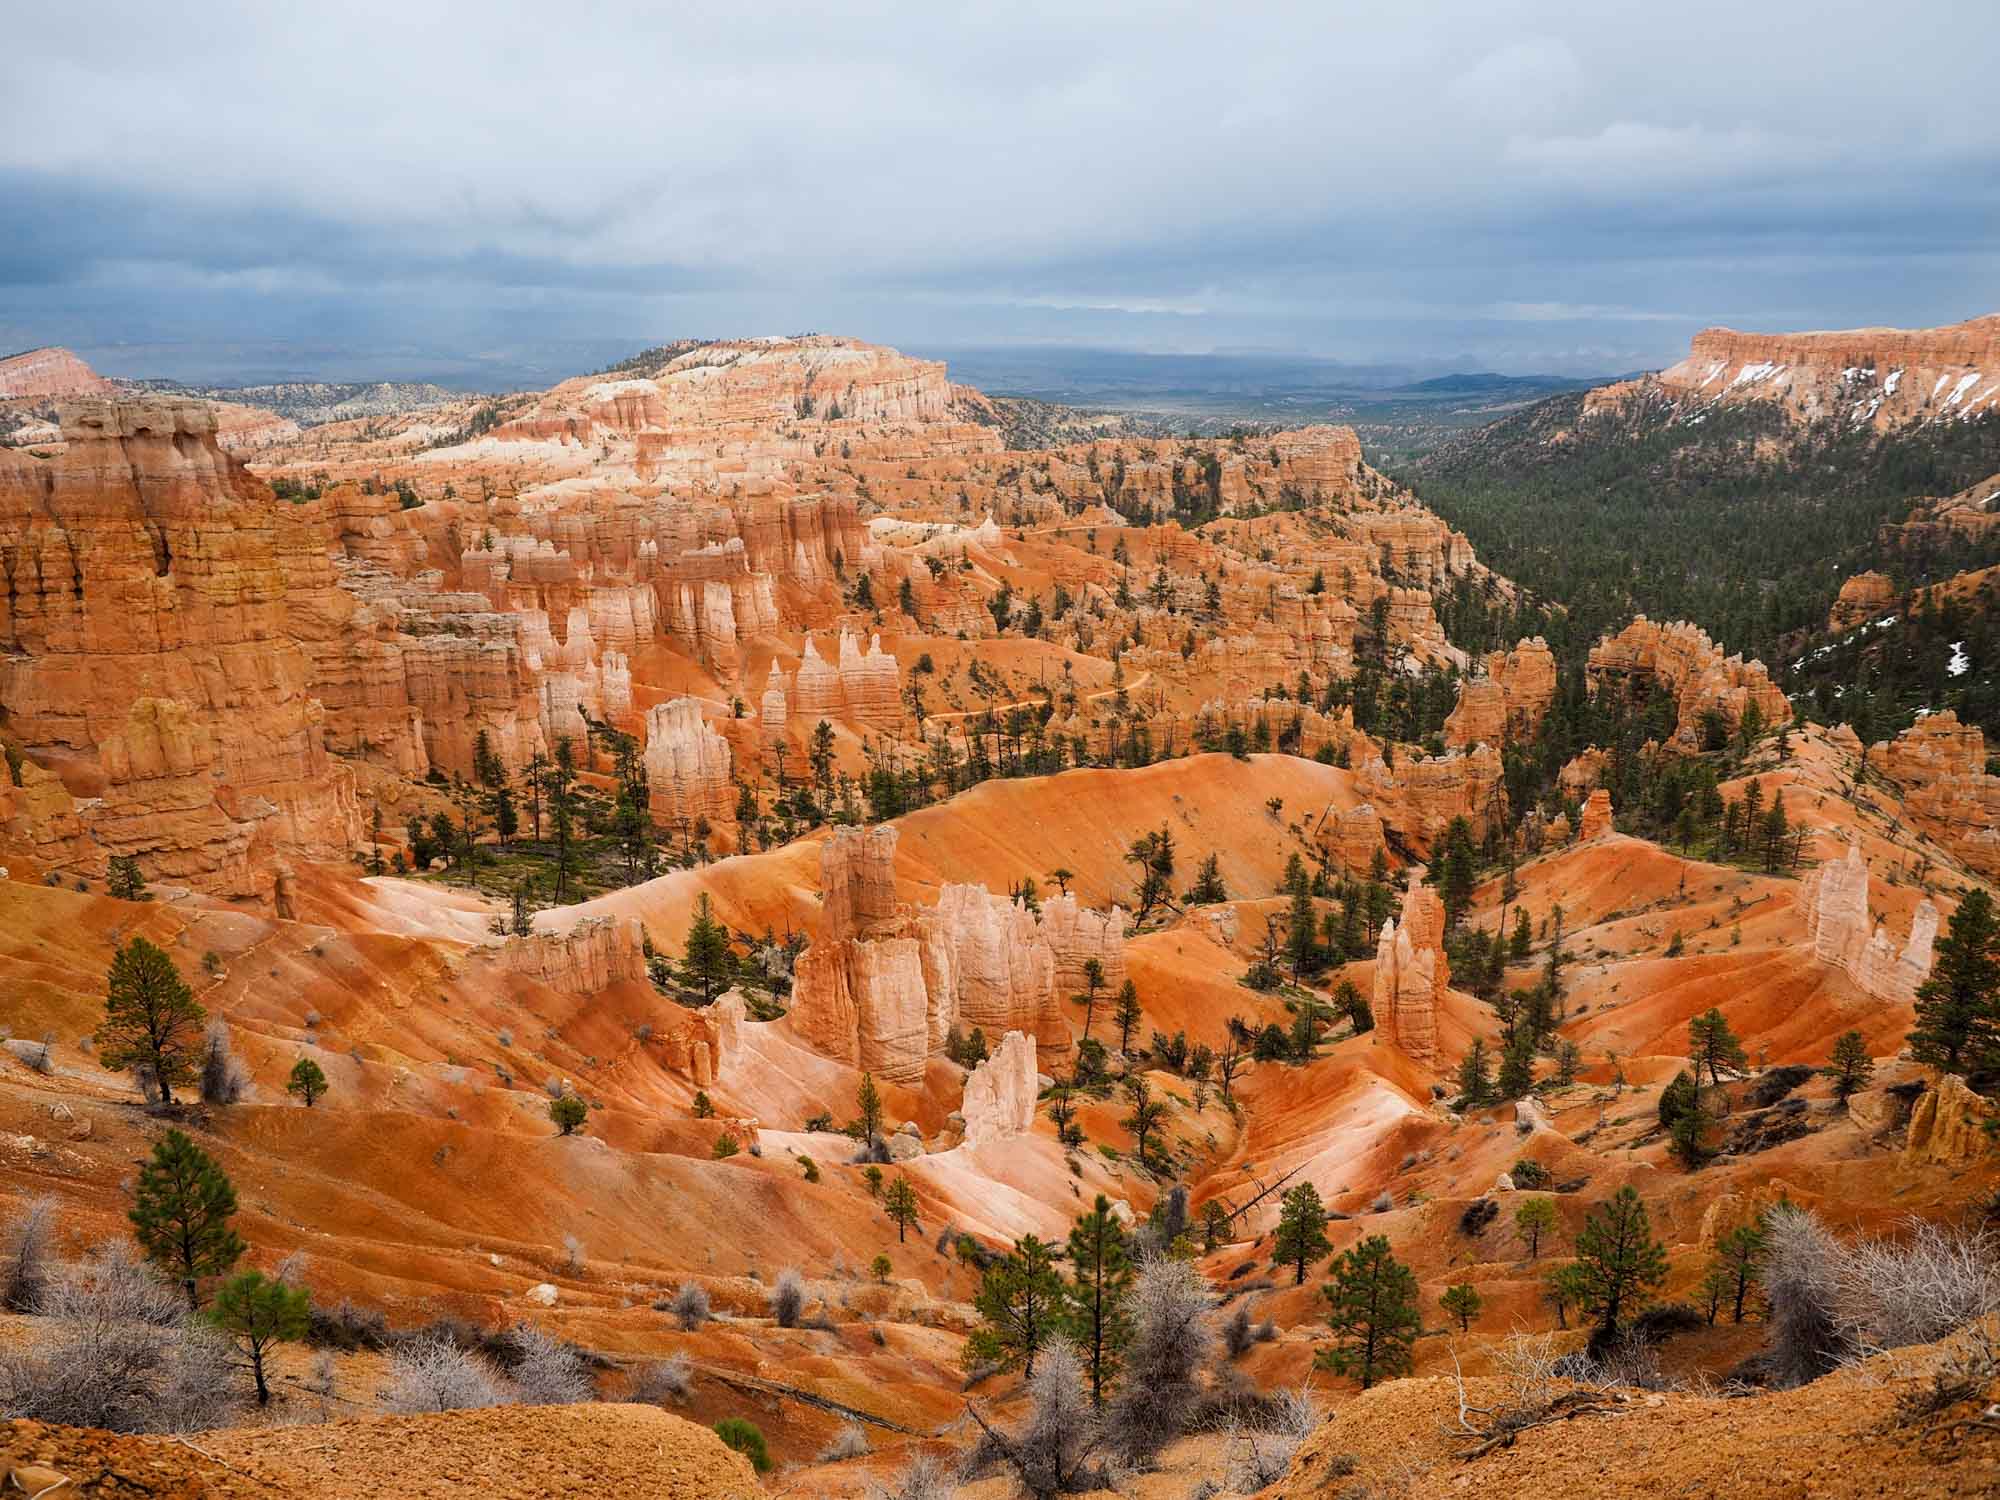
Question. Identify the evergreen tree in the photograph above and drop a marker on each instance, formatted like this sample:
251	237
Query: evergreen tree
1147	1113
1463	1303
1093	981
568	1112
180	1213
1714	1046
124	881
1533	1218
308	1081
151	1019
255	1314
1517	1064
1740	1255
1127	1014
1958	1007
1301	1237
1475	1075
1019	1301
1301	928
868	1110
900	1202
1524	935
1100	1277
1851	1066
707	955
1208	884
1372	1310
1618	1261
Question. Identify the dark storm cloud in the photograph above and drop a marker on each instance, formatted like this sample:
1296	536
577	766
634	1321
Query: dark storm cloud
1535	183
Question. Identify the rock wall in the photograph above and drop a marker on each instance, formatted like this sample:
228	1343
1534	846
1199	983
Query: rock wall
1412	974
882	984
1834	900
1506	702
1419	798
1950	1126
1594	820
701	1044
1682	660
1000	1093
146	650
593	955
687	763
1940	764
46	373
1865	596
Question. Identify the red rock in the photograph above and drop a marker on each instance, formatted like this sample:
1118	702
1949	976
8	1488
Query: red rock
1940	764
50	372
1682	660
1412	974
1863	597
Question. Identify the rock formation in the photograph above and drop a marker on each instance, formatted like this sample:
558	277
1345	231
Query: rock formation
51	372
1835	903
882	984
1419	798
1506	702
1000	1093
1412	974
1940	764
1950	1126
1594	821
146	652
1680	659
700	1044
593	955
687	763
1867	377
1863	597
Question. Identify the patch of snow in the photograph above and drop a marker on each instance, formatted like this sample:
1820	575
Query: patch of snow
1751	374
1960	663
1889	385
1965	383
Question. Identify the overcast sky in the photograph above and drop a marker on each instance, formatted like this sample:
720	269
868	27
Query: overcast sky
1514	184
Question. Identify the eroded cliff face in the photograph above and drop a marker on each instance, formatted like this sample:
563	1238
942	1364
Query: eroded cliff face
1834	900
47	373
1506	702
883	984
1878	377
1680	659
149	657
1419	798
1940	764
1412	974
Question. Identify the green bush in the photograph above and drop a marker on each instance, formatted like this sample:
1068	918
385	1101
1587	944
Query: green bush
747	1439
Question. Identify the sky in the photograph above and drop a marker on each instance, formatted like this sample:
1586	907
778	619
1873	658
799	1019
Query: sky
370	190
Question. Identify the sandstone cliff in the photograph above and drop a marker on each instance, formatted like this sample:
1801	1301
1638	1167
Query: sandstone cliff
1680	659
1000	1093
45	373
1834	900
1505	704
1412	974
1940	764
148	650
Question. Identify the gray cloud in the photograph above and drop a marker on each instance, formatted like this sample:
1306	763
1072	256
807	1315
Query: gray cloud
1521	182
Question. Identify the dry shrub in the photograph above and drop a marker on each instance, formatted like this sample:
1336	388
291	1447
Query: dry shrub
849	1442
223	1080
1801	1282
662	1381
29	1263
788	1298
690	1306
1892	1295
545	1370
1259	1459
1158	1395
924	1478
432	1373
1053	1453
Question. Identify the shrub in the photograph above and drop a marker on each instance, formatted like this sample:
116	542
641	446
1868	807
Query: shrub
1170	1341
690	1306
1051	1452
546	1371
809	1167
1259	1459
788	1298
1530	1174
925	1479
726	1146
223	1080
1892	1295
1801	1281
881	1267
849	1442
662	1381
430	1372
26	1272
568	1113
747	1439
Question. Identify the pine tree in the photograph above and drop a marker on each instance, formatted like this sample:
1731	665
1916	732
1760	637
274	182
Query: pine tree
1617	1259
1302	925
868	1106
1851	1066
1019	1301
1739	1255
568	1112
1958	1007
1533	1218
256	1314
1517	1064
1524	935
1100	1277
151	1019
1093	981
1714	1046
707	955
1301	1237
1475	1075
124	880
1372	1310
308	1081
900	1202
1127	1014
1463	1303
181	1211
1147	1113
